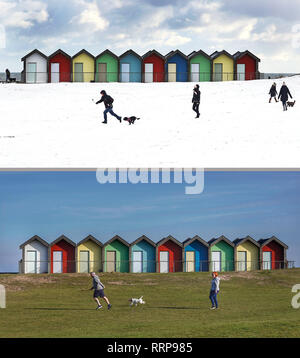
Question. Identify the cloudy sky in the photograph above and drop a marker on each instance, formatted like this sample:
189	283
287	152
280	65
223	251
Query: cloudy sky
235	204
269	28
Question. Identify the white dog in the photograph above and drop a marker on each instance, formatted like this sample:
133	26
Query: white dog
135	301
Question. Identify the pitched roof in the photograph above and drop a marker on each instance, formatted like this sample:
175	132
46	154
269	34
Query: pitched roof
107	52
132	53
219	53
63	237
173	53
214	241
195	238
34	238
238	242
116	237
171	238
153	52
91	238
81	52
32	52
264	242
61	52
239	55
145	238
200	52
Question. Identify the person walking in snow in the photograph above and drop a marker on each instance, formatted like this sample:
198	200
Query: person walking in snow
108	103
284	95
273	92
196	100
98	288
215	288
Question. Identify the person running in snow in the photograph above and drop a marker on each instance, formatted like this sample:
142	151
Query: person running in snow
98	288
273	92
108	103
284	95
196	100
215	288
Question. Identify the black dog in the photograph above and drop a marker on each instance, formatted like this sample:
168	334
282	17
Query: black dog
130	120
291	104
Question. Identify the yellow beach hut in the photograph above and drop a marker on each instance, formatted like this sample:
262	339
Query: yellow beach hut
223	66
246	254
83	66
88	255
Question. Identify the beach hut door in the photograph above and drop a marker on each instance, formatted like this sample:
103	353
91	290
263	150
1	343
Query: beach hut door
242	260
218	71
148	72
164	262
195	72
190	261
84	257
102	70
125	70
137	261
57	262
241	72
172	72
111	261
31	72
31	262
267	260
78	72
216	260
54	72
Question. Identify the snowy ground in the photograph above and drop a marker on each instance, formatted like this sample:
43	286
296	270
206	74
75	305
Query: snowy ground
58	126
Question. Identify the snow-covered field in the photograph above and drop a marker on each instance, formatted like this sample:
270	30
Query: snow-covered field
59	126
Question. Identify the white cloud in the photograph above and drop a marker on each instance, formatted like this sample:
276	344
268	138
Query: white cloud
90	16
22	14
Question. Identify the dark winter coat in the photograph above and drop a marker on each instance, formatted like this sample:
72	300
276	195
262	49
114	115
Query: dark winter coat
196	96
7	75
284	94
273	91
107	100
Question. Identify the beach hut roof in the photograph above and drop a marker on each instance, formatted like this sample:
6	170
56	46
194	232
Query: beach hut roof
131	52
108	52
34	238
116	237
59	52
219	53
171	238
176	52
214	241
264	242
81	52
90	238
247	238
145	238
63	237
195	238
153	52
200	52
239	55
32	52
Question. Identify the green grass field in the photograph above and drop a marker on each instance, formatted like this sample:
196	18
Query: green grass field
253	304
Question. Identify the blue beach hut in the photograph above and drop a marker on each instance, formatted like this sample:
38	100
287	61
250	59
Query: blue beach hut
195	254
130	67
176	66
142	253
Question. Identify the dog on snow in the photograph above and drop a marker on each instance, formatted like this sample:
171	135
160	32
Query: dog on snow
291	104
135	301
131	119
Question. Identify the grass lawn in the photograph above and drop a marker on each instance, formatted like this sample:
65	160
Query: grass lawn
252	304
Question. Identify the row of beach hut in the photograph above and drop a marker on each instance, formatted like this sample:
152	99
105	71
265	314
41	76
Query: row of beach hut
131	67
143	255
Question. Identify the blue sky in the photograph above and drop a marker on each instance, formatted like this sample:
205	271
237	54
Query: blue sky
269	28
234	204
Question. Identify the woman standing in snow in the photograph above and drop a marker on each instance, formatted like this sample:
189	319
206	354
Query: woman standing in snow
273	92
215	288
284	95
196	100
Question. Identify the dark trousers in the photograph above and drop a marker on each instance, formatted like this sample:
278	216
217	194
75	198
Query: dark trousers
284	105
196	107
109	110
213	298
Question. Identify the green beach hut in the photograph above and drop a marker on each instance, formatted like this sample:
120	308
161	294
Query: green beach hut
200	67
221	254
115	255
107	67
